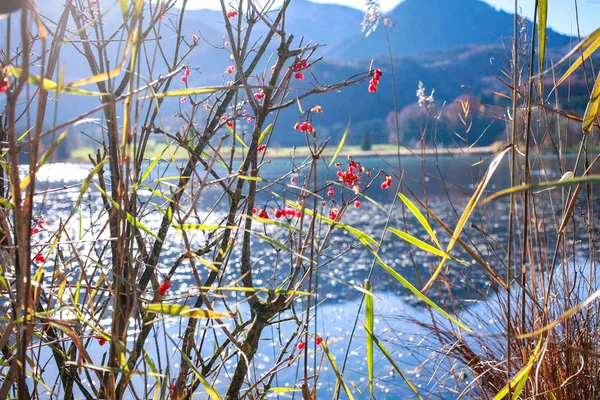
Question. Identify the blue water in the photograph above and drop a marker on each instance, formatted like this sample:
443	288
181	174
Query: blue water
446	183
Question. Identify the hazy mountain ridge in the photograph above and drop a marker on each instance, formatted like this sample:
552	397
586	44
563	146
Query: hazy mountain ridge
433	25
454	47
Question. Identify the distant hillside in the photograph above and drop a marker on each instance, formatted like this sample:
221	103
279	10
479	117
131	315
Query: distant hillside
433	25
454	47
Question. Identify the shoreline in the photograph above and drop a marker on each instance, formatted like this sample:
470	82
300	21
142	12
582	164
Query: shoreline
455	151
302	152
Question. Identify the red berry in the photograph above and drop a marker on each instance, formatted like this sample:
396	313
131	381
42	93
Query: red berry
378	72
171	389
278	214
183	78
318	341
101	340
40	258
188	72
34	231
195	38
357	204
250	119
261	148
162	289
297	126
309	128
304	126
260	95
330	191
263	214
299	76
4	85
301	346
290	213
254	210
372	88
298	214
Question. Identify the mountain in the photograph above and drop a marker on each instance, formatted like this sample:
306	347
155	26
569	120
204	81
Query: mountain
454	47
432	25
327	24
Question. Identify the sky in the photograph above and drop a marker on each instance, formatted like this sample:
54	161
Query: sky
561	14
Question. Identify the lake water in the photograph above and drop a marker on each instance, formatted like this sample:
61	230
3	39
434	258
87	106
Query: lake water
447	184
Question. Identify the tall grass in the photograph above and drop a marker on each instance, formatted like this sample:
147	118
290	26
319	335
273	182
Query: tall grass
103	274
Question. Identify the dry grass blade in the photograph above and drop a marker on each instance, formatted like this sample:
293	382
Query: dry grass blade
542	24
184	311
106	75
591	111
421	244
465	246
420	217
567	314
369	323
340	146
52	86
593	41
518	382
544	185
338	374
471	205
265	133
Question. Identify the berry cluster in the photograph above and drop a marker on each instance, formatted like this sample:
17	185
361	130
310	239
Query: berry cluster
388	181
185	75
232	14
300	65
350	176
229	123
230	70
284	213
39	226
304	127
288	213
162	289
375	81
301	346
259	95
